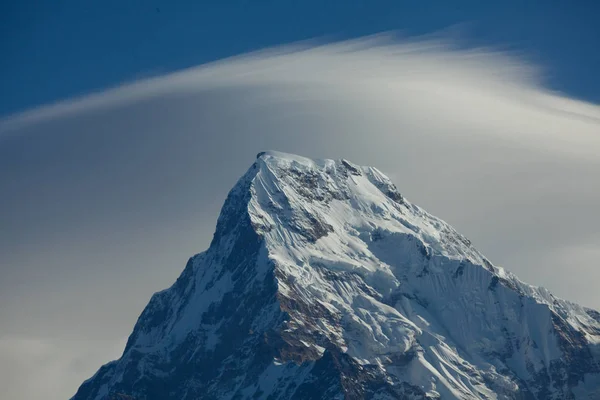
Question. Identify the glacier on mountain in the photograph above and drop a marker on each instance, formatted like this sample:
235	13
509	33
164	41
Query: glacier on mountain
323	282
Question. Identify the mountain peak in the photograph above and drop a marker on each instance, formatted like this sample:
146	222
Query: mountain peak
311	198
323	281
282	156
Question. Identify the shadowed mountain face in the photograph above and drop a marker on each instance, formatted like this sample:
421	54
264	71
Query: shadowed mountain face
323	282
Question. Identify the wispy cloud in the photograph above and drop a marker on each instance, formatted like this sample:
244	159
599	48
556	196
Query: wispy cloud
422	64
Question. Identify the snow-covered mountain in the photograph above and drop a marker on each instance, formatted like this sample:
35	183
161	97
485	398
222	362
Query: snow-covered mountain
323	282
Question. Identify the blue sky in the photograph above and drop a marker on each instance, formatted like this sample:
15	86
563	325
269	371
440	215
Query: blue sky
55	50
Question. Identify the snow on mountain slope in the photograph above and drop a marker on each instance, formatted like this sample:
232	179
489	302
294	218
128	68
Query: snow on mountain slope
322	281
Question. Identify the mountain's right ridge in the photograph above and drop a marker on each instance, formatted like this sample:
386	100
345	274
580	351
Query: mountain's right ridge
322	281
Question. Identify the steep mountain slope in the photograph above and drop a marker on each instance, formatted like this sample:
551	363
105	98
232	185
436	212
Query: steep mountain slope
323	282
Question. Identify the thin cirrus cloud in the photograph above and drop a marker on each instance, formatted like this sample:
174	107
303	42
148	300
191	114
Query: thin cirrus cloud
105	196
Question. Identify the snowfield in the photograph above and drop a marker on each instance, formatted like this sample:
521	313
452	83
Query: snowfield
323	282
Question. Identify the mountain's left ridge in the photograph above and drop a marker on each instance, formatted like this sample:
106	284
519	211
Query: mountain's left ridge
322	281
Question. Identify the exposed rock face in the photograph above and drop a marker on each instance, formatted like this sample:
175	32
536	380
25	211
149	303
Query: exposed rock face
323	282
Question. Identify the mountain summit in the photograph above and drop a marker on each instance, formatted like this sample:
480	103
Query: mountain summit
323	282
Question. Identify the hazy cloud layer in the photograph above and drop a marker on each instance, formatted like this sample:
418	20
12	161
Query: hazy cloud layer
105	197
